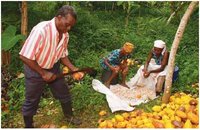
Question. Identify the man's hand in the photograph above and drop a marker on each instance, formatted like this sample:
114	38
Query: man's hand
48	76
78	75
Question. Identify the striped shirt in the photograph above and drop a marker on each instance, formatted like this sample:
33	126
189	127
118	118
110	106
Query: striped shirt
42	45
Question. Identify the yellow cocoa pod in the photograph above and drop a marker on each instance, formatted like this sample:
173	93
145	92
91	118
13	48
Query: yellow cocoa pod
143	117
165	117
138	118
109	124
113	120
193	118
65	69
187	124
125	115
128	125
141	126
156	108
119	118
133	115
134	126
169	125
140	122
103	124
178	101
177	118
146	120
149	125
172	117
102	113
181	114
172	98
187	107
133	121
64	126
121	125
169	111
163	105
149	115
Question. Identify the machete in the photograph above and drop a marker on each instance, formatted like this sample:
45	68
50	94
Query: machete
90	71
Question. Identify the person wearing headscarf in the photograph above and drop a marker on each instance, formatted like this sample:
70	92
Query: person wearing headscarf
152	74
114	63
159	55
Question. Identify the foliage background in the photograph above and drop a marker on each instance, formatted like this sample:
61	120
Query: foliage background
100	28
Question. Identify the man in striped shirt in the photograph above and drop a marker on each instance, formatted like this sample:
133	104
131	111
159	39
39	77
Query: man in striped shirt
43	51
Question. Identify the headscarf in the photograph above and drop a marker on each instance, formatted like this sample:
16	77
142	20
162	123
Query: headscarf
128	47
160	44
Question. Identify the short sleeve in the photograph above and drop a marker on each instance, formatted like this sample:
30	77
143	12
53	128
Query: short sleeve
113	55
32	44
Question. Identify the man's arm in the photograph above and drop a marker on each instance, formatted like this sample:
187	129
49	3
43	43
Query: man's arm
66	62
47	76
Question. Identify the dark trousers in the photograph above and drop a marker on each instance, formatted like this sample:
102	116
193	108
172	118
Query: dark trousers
106	75
34	86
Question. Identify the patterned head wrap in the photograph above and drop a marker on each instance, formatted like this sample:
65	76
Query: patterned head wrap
128	47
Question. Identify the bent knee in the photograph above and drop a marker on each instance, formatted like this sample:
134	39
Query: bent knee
125	71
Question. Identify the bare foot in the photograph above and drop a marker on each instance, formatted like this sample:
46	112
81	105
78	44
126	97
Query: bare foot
123	84
107	85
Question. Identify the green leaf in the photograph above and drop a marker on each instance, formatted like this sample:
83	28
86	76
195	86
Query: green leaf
119	3
10	31
9	39
9	43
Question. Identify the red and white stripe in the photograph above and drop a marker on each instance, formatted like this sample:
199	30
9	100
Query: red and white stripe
42	45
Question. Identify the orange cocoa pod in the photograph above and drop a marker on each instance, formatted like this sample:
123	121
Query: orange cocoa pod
158	124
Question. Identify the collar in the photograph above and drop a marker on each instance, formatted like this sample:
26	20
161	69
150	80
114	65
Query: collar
54	29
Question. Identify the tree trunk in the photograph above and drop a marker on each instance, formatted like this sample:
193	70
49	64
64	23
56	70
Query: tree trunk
5	57
24	19
113	5
178	36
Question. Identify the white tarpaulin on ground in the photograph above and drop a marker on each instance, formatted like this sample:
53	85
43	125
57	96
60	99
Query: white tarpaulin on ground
141	90
121	98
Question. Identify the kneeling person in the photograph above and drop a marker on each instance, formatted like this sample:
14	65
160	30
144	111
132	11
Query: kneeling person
112	64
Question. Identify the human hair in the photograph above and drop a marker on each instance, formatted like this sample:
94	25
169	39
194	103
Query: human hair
66	9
